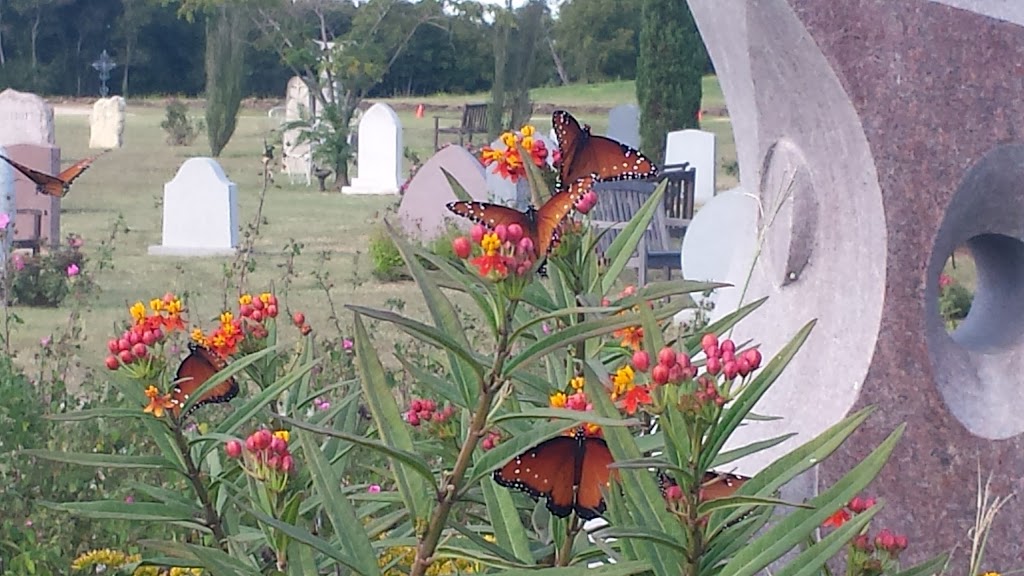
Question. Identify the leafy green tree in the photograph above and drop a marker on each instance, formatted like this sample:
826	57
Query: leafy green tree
518	35
599	39
669	70
226	30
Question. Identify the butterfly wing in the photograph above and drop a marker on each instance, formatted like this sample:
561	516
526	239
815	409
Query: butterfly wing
491	215
43	181
547	470
555	210
583	153
721	485
194	371
69	174
595	475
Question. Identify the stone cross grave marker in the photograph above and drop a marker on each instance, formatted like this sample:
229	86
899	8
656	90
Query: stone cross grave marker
698	148
422	213
106	123
380	154
200	212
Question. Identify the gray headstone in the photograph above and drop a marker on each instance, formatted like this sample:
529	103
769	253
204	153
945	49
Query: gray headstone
422	213
106	123
25	119
624	124
200	212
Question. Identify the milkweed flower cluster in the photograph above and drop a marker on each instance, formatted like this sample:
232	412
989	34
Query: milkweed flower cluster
427	414
506	251
878	555
148	330
232	330
265	457
574	398
509	162
107	560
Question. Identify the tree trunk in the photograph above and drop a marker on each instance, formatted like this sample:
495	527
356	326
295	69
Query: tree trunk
35	36
559	67
127	64
3	57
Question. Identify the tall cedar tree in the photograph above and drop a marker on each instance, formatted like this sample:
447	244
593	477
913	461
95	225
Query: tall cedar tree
669	69
226	30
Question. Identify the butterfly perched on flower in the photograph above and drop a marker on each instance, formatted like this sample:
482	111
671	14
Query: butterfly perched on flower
198	367
59	185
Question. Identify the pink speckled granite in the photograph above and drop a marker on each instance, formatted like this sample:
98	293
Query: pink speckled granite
910	117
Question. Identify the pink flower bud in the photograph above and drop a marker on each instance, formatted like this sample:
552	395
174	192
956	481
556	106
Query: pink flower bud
641	360
278	445
416	405
709	340
462	247
487	443
124	344
274	462
437	417
413	419
744	366
660	374
714	365
675	373
158	334
287	463
257	315
753	356
271	310
245	310
113	346
476	233
257	304
147	338
126	356
502	232
674	492
515	233
667	357
728	346
233	448
263	438
683	360
885	539
112	363
730	369
526	245
134	337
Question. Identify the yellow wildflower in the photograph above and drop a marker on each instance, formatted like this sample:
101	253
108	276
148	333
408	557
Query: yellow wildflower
527	142
622	381
282	434
111	559
174	307
179	571
156	304
226	318
577	383
991	574
197	336
138	312
527	130
490	243
265	297
558	400
509	139
157	402
245	299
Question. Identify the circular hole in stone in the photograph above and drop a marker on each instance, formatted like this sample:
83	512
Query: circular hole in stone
993	266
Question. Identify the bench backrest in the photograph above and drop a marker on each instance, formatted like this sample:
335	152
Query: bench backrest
474	118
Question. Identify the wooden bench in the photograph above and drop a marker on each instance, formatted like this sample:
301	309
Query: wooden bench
619	202
34	240
474	121
680	194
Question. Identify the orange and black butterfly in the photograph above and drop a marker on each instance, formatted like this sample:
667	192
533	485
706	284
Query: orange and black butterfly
200	364
541	226
602	159
715	485
50	185
569	471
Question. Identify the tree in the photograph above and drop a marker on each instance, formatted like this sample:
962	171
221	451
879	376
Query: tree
518	35
669	70
226	30
599	38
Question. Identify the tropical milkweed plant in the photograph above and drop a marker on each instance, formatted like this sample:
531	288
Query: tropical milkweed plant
377	485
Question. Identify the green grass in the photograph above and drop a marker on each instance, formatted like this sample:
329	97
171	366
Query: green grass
129	182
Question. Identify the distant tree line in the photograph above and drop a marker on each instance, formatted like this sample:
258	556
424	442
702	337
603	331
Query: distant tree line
48	46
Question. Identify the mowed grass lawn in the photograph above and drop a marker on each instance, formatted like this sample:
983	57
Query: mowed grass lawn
129	182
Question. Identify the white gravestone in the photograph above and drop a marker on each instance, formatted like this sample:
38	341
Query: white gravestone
106	123
200	212
25	119
698	148
380	154
709	255
297	158
624	124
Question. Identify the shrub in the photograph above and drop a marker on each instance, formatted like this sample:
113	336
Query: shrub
388	265
44	280
181	131
954	301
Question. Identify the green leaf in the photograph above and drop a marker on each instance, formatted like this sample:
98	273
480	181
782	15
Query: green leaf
446	319
103	460
738	409
509	531
810	561
625	243
423	332
390	426
457	189
692	344
138	511
92	414
752	448
186	555
349	530
561	414
788	533
228	371
641	533
405	457
618	569
931	567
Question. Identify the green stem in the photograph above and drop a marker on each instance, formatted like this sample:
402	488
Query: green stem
195	478
450	492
